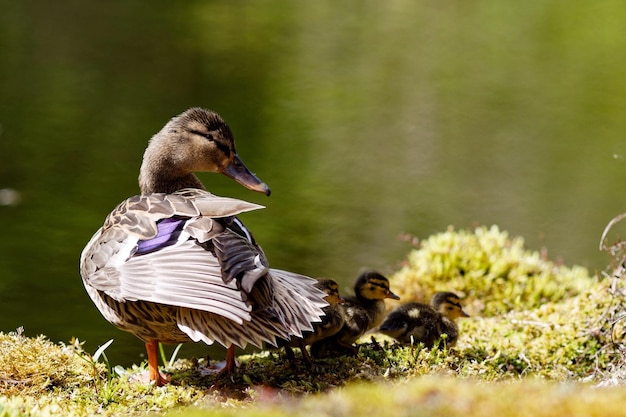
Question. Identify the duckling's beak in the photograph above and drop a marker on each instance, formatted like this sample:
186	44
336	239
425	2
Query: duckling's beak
464	314
392	296
237	170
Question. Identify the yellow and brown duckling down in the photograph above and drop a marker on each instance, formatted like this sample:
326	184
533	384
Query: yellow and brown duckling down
331	323
175	264
362	312
414	323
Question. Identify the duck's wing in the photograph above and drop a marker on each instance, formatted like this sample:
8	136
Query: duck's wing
298	300
189	250
295	304
154	248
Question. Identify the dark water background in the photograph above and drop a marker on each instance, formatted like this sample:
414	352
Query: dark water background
367	119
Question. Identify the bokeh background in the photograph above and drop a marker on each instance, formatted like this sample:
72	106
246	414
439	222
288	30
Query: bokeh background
368	119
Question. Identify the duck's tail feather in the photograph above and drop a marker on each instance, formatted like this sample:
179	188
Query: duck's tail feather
296	304
298	300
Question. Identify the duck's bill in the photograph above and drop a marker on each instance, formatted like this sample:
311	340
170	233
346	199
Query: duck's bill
240	173
464	314
392	296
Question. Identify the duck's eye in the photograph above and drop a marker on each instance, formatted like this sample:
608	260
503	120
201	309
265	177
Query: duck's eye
208	136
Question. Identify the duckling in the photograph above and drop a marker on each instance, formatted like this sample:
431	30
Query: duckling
175	264
364	311
413	323
331	323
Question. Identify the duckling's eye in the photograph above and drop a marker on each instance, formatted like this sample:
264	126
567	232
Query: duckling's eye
209	136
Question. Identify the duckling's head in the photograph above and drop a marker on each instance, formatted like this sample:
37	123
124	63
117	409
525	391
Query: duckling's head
448	304
331	288
373	286
197	140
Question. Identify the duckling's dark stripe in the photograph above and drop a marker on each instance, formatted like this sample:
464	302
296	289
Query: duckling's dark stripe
381	284
454	303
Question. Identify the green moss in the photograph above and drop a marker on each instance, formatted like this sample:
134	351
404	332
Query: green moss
36	365
38	377
538	330
440	396
495	272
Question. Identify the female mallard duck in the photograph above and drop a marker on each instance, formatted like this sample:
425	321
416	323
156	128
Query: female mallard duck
362	312
331	323
175	264
413	323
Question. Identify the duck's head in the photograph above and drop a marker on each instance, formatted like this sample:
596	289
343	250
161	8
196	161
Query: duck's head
197	140
373	286
331	288
448	304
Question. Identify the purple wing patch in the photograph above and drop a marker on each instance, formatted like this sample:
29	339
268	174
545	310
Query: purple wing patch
167	235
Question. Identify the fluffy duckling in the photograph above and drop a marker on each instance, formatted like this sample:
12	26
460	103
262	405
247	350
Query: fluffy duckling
175	264
362	312
413	323
331	323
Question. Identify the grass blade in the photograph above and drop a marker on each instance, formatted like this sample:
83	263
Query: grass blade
101	350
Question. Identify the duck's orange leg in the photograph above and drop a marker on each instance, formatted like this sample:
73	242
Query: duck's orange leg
230	360
153	363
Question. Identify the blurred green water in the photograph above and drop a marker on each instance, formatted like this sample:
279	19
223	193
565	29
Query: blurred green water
367	119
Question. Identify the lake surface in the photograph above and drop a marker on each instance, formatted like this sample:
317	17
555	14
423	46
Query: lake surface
367	119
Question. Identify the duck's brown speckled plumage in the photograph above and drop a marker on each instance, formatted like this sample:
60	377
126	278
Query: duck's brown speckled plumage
175	264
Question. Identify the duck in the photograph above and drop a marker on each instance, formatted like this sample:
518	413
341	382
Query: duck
175	264
414	323
362	312
331	322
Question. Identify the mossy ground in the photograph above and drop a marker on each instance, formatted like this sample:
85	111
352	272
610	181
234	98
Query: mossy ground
544	333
